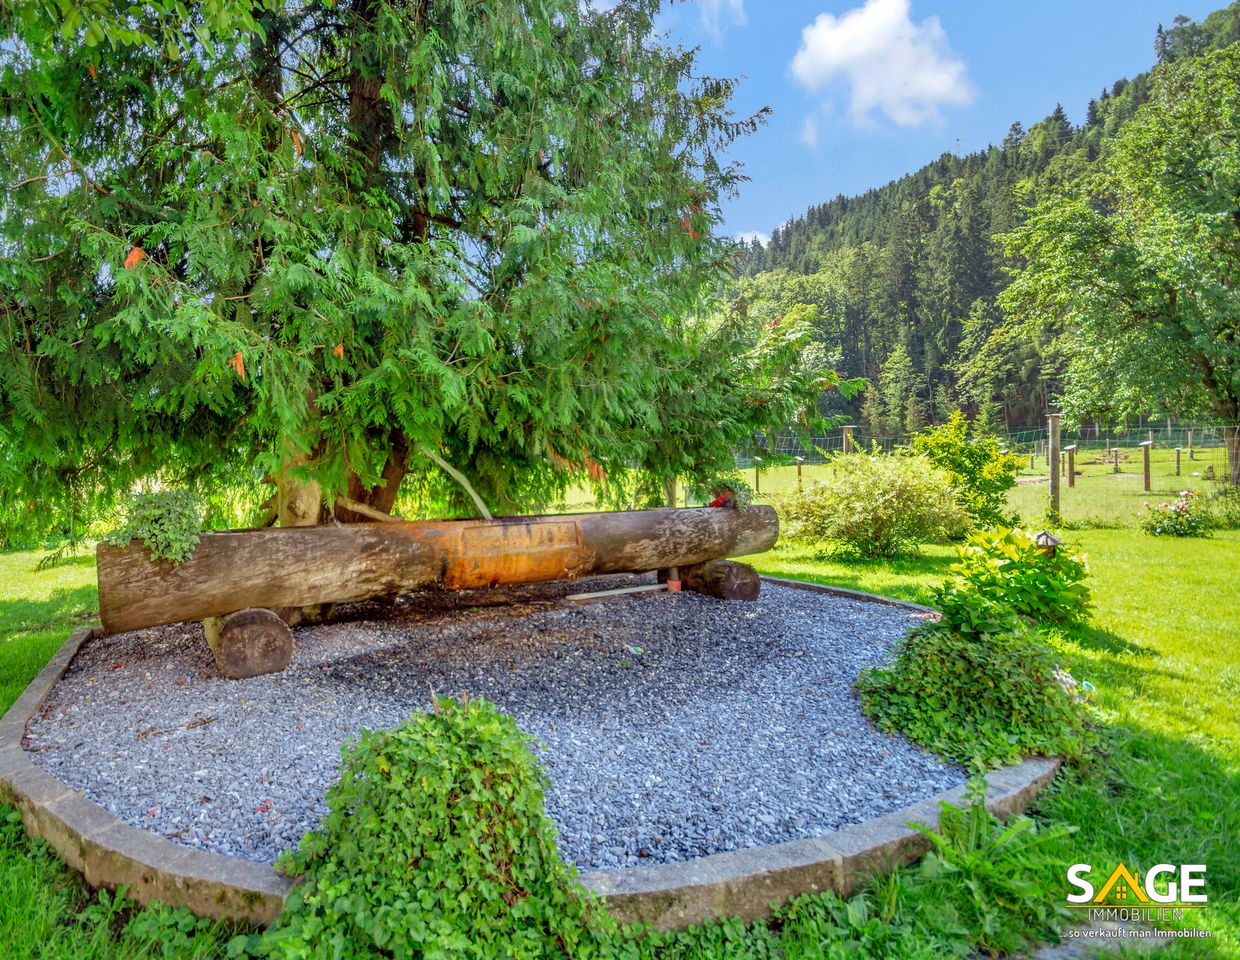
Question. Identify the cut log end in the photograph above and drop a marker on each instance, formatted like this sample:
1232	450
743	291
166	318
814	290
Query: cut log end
723	579
249	643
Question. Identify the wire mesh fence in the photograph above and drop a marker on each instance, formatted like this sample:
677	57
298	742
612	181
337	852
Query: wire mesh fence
1103	476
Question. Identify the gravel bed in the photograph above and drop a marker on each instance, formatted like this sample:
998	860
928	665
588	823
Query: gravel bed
671	726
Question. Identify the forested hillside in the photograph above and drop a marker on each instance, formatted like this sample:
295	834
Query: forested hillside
904	277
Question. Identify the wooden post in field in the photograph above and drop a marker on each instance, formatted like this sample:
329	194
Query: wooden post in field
1145	450
799	461
848	440
1052	458
1190	444
1151	438
1070	450
1115	459
1031	459
757	480
1177	461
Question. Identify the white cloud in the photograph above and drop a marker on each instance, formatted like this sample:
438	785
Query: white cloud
718	15
750	235
809	131
904	69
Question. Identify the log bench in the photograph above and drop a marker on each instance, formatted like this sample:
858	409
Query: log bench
243	584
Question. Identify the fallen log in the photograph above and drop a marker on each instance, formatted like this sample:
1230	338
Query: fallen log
299	566
724	579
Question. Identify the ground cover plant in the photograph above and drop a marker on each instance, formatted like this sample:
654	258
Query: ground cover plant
437	845
977	687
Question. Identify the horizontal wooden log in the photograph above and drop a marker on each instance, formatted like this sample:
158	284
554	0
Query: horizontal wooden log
723	579
297	566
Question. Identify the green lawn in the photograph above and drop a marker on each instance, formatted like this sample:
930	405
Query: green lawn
1163	650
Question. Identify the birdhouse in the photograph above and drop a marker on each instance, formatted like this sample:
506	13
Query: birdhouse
1047	541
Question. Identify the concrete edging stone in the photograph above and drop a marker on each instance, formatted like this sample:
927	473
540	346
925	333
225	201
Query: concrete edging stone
744	883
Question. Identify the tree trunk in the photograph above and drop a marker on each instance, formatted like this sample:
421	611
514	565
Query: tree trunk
1231	440
381	497
300	566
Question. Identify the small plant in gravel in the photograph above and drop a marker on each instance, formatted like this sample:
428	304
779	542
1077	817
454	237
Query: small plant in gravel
1008	566
436	845
1186	516
168	522
877	504
977	687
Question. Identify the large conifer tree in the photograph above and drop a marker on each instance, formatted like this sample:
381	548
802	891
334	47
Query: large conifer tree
339	244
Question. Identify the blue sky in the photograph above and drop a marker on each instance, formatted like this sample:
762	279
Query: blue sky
864	91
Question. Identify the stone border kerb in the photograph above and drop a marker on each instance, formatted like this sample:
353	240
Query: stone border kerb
744	883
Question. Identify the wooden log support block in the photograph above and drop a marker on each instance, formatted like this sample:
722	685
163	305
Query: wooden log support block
723	579
249	643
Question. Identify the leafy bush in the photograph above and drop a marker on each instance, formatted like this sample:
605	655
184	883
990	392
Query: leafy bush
1187	516
976	687
976	467
1224	507
436	844
878	504
1007	566
168	522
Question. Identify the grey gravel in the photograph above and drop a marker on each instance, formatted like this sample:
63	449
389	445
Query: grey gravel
671	726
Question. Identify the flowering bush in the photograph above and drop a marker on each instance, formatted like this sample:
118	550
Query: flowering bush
1186	517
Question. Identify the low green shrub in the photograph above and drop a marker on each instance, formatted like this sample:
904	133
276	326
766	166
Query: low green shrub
877	504
436	845
1007	566
976	467
977	687
1186	516
168	522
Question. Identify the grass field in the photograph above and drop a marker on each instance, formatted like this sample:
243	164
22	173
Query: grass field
1163	650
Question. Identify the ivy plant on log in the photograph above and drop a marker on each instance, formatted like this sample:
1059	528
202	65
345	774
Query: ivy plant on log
338	246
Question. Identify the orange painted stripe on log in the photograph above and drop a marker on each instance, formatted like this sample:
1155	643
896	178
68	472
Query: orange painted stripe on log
297	566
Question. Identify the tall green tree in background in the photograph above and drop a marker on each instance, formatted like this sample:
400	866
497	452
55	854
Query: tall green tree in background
1141	259
342	244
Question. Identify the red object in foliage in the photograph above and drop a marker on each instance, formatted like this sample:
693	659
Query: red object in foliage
238	364
134	258
725	499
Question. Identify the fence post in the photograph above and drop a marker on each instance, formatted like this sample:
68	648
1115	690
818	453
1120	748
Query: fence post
1151	438
1052	458
1115	459
1070	450
1177	461
1145	449
1190	444
799	461
1031	459
848	429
